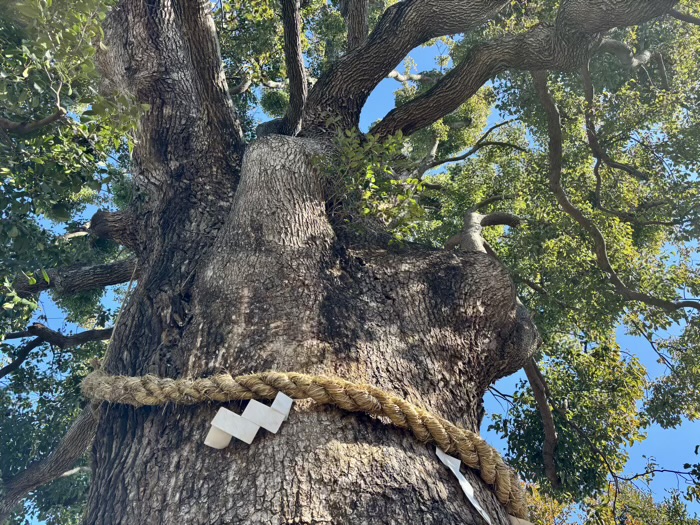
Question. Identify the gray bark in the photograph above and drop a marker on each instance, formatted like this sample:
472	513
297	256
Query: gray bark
240	269
280	290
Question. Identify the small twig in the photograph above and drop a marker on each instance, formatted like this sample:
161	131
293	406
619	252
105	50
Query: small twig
481	143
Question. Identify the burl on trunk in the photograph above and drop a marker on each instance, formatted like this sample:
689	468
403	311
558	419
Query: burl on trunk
241	270
279	290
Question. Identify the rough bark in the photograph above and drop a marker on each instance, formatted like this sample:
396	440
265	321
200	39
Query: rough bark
119	227
278	290
566	45
78	279
296	72
356	14
343	91
240	269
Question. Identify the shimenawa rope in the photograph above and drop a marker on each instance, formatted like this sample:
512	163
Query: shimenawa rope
471	449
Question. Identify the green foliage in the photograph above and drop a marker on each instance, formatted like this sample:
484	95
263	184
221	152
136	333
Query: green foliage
366	180
52	178
625	504
275	103
677	395
597	392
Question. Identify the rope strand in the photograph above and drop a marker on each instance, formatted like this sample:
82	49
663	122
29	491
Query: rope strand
471	449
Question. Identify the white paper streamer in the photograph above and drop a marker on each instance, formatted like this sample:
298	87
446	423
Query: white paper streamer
453	464
227	425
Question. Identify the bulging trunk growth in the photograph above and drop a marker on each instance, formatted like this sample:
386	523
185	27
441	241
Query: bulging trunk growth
279	290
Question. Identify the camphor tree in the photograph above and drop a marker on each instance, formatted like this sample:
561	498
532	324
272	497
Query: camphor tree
302	245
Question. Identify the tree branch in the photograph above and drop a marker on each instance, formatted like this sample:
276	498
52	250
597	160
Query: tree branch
470	239
43	334
481	143
598	151
22	356
600	251
684	17
296	72
501	218
475	149
551	438
490	200
119	227
192	125
416	77
242	87
73	445
78	279
356	14
632	60
26	127
403	26
564	46
74	471
58	339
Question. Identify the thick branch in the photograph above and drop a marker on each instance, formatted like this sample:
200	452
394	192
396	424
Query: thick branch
242	87
470	239
294	59
601	253
356	14
501	218
565	46
191	125
79	279
684	17
404	26
119	227
551	439
69	450
26	127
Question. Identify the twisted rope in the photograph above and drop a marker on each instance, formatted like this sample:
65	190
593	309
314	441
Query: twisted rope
471	449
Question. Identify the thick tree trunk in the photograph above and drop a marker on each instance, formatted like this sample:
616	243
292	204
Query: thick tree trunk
240	270
279	291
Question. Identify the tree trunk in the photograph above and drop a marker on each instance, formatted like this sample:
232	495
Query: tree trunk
278	290
241	270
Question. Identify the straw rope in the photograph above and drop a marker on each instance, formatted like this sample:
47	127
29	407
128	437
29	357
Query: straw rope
471	449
